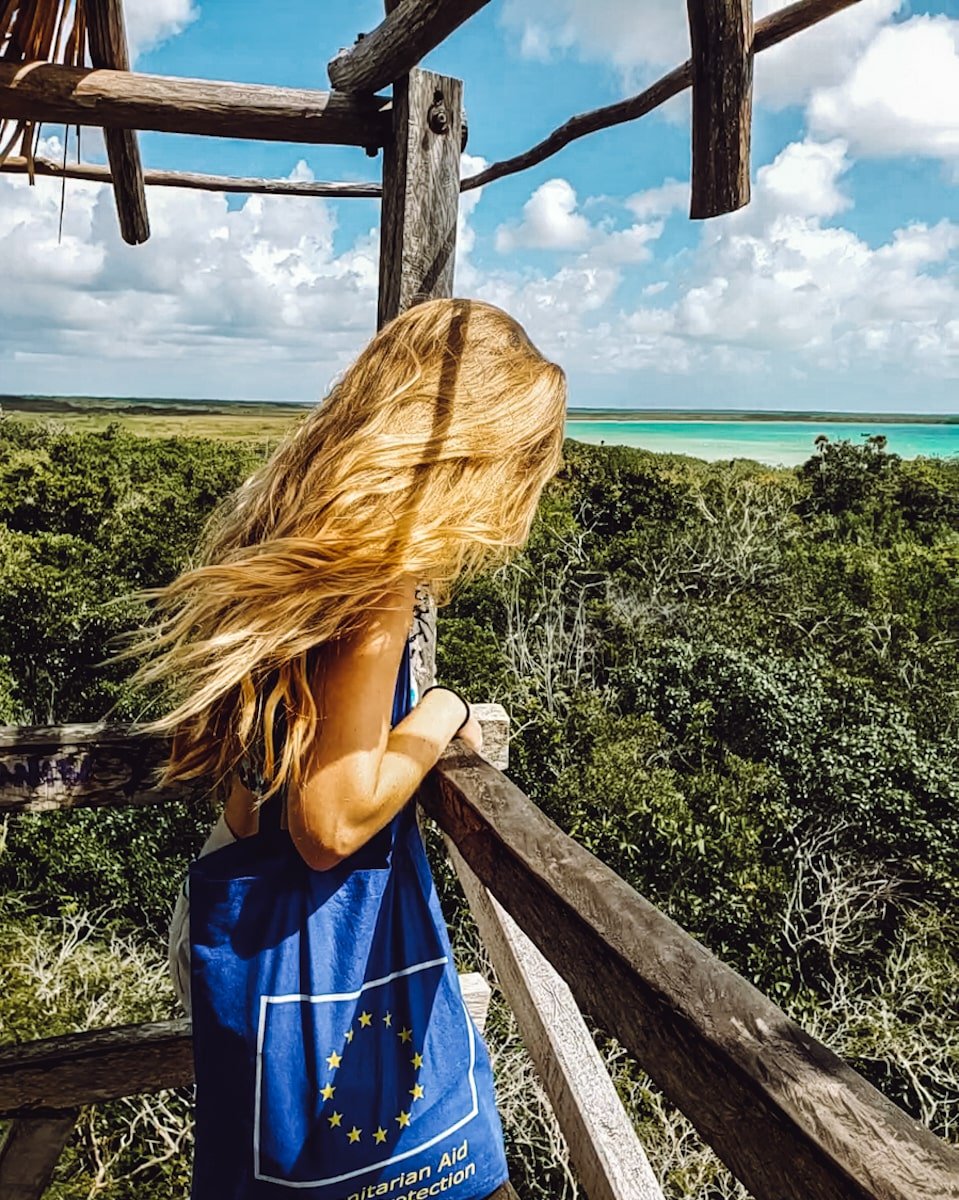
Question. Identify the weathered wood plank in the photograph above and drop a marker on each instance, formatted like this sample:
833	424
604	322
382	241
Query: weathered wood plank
43	1077
420	192
29	1154
476	996
128	100
43	768
608	1158
106	34
721	37
411	30
769	32
64	766
190	179
791	1119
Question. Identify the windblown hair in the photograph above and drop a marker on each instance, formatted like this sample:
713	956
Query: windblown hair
426	459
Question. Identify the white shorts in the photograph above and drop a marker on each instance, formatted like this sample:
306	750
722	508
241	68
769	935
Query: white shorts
179	944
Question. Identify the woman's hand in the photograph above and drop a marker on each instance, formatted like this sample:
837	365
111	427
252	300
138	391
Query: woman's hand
472	734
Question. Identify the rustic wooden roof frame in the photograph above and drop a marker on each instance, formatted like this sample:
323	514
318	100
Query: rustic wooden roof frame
719	71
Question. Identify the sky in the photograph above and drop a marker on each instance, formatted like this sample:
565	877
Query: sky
836	288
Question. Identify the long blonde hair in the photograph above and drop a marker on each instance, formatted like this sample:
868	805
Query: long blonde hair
426	459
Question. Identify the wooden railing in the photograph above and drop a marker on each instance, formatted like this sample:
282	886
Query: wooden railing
789	1118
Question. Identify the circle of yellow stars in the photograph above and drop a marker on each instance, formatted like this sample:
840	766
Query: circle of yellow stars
333	1060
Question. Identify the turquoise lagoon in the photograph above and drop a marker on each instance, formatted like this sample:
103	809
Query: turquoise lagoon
768	441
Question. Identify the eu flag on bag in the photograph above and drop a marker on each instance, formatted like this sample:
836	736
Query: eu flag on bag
402	1031
334	1055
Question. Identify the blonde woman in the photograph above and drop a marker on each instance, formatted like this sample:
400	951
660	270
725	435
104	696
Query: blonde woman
333	1053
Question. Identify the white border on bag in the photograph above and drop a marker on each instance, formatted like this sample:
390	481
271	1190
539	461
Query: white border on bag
386	1162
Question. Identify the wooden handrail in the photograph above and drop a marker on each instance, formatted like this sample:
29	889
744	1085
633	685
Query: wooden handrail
42	1078
790	1119
37	91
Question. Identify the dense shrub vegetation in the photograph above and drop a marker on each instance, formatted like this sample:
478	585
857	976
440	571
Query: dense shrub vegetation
739	686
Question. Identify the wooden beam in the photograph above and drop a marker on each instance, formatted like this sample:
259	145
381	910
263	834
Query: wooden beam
606	1154
45	768
420	192
721	38
412	28
29	1154
188	179
789	1118
769	32
63	766
40	1079
107	38
128	100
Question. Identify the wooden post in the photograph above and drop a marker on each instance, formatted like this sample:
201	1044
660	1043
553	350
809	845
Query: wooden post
108	48
421	186
609	1159
721	38
29	1153
420	192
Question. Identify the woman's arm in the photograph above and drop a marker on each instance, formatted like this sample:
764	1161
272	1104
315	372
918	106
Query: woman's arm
359	773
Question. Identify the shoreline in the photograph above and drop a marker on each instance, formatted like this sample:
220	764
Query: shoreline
726	415
162	406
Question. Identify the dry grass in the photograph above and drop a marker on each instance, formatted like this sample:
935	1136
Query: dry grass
242	427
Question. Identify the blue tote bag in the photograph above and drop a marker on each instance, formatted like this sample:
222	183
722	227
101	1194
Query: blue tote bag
334	1056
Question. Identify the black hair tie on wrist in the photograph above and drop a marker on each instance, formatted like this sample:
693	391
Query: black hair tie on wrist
465	703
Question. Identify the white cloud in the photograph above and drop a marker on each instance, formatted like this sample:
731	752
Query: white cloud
774	280
820	56
625	33
774	289
218	288
150	22
901	96
803	179
549	222
660	201
642	38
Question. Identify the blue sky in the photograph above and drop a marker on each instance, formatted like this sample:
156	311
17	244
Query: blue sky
837	288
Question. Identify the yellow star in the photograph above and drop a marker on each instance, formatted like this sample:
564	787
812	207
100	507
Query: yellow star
354	1134
388	1020
416	1091
365	1019
327	1092
404	1119
417	1061
405	1035
349	1035
334	1119
333	1060
380	1135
